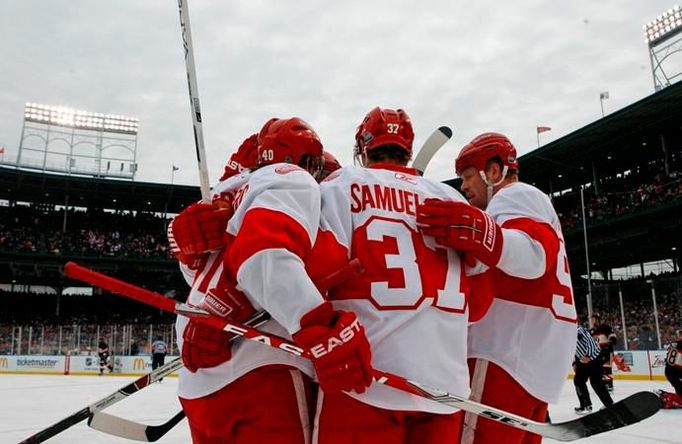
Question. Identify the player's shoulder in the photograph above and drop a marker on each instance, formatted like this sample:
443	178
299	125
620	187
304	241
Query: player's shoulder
520	199
281	176
230	185
440	190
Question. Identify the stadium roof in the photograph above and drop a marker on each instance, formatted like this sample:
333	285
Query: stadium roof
28	186
610	145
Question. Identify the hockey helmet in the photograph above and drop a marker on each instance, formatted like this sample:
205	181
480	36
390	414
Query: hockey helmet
482	149
383	126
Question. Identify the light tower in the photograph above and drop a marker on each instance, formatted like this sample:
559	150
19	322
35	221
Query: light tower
62	139
663	39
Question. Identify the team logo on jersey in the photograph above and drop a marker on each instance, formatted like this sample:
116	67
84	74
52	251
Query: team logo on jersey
286	169
406	178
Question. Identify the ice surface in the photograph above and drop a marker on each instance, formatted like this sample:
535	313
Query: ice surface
30	403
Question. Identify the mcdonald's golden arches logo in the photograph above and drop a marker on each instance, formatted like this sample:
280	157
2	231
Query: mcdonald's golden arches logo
3	363
139	364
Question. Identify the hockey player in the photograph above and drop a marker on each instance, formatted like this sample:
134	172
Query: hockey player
673	372
410	297
103	353
521	351
606	338
248	392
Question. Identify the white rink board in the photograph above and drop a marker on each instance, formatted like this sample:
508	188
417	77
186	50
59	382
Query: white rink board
75	365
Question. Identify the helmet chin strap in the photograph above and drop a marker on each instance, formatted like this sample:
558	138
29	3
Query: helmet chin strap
490	185
360	157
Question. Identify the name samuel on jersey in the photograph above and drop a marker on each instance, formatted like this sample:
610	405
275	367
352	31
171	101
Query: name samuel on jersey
384	198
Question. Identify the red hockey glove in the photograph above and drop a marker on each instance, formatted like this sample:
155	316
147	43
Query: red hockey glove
340	349
463	227
193	261
227	302
200	228
204	347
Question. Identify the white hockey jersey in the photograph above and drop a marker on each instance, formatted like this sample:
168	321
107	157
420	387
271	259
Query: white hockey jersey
409	299
274	226
529	329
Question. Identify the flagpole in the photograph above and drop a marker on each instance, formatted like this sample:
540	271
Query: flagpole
537	134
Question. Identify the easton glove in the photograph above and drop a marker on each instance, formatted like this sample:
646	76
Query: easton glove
340	349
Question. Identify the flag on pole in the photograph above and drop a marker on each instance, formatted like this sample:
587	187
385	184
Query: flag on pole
604	95
175	168
542	129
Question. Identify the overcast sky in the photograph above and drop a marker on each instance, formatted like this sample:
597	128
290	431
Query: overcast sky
474	66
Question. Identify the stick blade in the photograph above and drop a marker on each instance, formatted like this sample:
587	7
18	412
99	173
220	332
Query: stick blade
436	140
125	428
628	411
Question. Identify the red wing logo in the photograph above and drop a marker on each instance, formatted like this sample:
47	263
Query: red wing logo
286	169
406	178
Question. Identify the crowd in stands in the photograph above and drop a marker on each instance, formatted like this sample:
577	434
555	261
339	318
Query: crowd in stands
619	196
640	323
89	232
100	233
75	323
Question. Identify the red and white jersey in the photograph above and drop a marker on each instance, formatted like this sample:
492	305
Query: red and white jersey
277	211
529	329
410	298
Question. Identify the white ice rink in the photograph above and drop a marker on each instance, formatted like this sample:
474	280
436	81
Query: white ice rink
31	403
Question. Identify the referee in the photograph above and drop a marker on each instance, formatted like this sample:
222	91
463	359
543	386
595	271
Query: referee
587	365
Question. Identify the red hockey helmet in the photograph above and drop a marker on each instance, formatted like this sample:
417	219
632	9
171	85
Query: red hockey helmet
330	163
383	126
484	148
290	141
245	158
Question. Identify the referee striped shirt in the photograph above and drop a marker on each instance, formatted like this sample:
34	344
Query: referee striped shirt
586	345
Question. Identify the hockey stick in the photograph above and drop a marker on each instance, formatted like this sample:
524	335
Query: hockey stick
122	393
435	141
194	99
628	411
125	428
117	426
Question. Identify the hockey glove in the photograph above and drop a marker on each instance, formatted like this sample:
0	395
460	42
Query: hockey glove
200	228
205	347
463	227
339	347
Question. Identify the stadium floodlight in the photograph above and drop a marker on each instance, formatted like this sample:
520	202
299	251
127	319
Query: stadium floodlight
69	117
663	40
664	26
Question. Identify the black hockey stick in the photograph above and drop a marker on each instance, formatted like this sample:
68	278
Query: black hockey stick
122	393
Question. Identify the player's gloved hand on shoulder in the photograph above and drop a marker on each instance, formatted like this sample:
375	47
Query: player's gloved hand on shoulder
463	227
200	228
204	347
340	349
